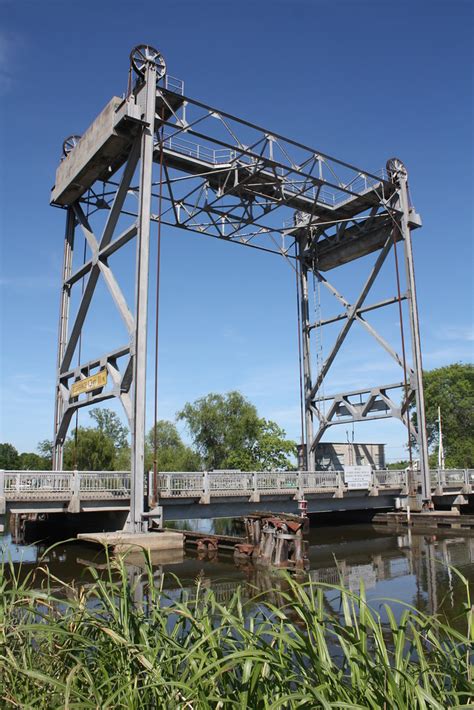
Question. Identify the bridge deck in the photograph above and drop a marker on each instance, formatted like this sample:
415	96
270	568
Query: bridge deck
113	488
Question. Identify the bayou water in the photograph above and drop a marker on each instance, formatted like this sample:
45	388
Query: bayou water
415	569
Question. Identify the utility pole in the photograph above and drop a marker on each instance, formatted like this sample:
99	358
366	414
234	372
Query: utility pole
440	442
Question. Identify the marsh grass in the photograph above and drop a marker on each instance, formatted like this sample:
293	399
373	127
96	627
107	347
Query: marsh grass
113	644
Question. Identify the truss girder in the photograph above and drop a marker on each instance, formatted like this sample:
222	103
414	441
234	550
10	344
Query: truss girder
230	179
374	403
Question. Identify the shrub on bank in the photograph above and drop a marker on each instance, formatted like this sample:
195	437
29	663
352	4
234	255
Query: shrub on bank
116	644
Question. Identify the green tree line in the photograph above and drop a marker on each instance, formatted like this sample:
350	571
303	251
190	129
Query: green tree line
451	388
227	432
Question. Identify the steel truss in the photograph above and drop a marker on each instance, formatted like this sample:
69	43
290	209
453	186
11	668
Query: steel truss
232	180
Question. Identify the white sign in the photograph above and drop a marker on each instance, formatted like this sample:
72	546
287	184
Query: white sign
358	477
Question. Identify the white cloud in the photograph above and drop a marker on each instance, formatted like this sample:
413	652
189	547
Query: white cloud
8	49
464	333
29	282
448	354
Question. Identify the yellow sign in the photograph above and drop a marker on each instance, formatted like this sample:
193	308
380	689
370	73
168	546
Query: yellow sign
88	384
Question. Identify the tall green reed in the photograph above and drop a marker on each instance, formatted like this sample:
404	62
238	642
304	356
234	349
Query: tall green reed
107	645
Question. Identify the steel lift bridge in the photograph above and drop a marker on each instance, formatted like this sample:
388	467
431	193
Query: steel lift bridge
157	155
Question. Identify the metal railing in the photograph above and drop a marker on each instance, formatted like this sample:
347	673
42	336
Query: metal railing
179	483
171	83
36	484
248	483
360	184
62	485
198	151
446	478
203	485
104	484
390	479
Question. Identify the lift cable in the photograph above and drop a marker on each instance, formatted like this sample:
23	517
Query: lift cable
396	225
402	338
157	309
319	333
79	348
298	311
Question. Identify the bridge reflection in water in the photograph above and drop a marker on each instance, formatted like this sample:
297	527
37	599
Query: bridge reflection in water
411	567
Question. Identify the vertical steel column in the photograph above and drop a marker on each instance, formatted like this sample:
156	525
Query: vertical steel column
306	340
57	463
415	335
137	492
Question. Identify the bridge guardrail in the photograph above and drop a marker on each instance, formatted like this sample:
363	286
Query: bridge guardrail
64	485
37	484
390	478
116	484
179	483
448	478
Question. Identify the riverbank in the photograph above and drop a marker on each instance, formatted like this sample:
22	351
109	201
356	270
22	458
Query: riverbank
118	643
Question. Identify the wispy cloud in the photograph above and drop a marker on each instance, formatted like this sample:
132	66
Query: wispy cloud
233	336
462	333
9	46
29	282
450	353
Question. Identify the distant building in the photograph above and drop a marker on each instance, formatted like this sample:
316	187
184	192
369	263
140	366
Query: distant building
334	456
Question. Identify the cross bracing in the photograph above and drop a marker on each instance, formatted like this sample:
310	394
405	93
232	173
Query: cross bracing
158	155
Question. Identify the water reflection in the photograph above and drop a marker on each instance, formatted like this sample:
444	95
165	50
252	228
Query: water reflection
410	567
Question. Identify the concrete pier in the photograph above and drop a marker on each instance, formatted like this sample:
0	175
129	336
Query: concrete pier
121	541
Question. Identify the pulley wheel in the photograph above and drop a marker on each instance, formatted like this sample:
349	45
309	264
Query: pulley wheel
69	144
144	53
395	166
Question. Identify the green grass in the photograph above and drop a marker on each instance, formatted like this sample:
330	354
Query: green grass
96	646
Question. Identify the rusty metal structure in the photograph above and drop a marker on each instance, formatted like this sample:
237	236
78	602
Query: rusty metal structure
156	155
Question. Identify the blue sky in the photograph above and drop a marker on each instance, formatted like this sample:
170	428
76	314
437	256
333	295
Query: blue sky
362	81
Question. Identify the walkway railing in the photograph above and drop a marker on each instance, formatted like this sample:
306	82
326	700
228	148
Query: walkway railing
180	484
445	478
61	485
222	157
111	485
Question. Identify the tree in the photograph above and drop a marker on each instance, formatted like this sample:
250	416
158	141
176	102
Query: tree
122	459
45	450
272	447
228	433
172	453
9	457
452	389
108	422
221	426
93	451
398	465
31	462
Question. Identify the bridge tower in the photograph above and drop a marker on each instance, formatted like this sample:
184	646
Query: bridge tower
378	220
158	156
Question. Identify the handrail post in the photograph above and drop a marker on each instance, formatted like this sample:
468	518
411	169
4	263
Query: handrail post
374	489
439	482
3	502
340	485
465	489
206	490
405	482
255	495
75	501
